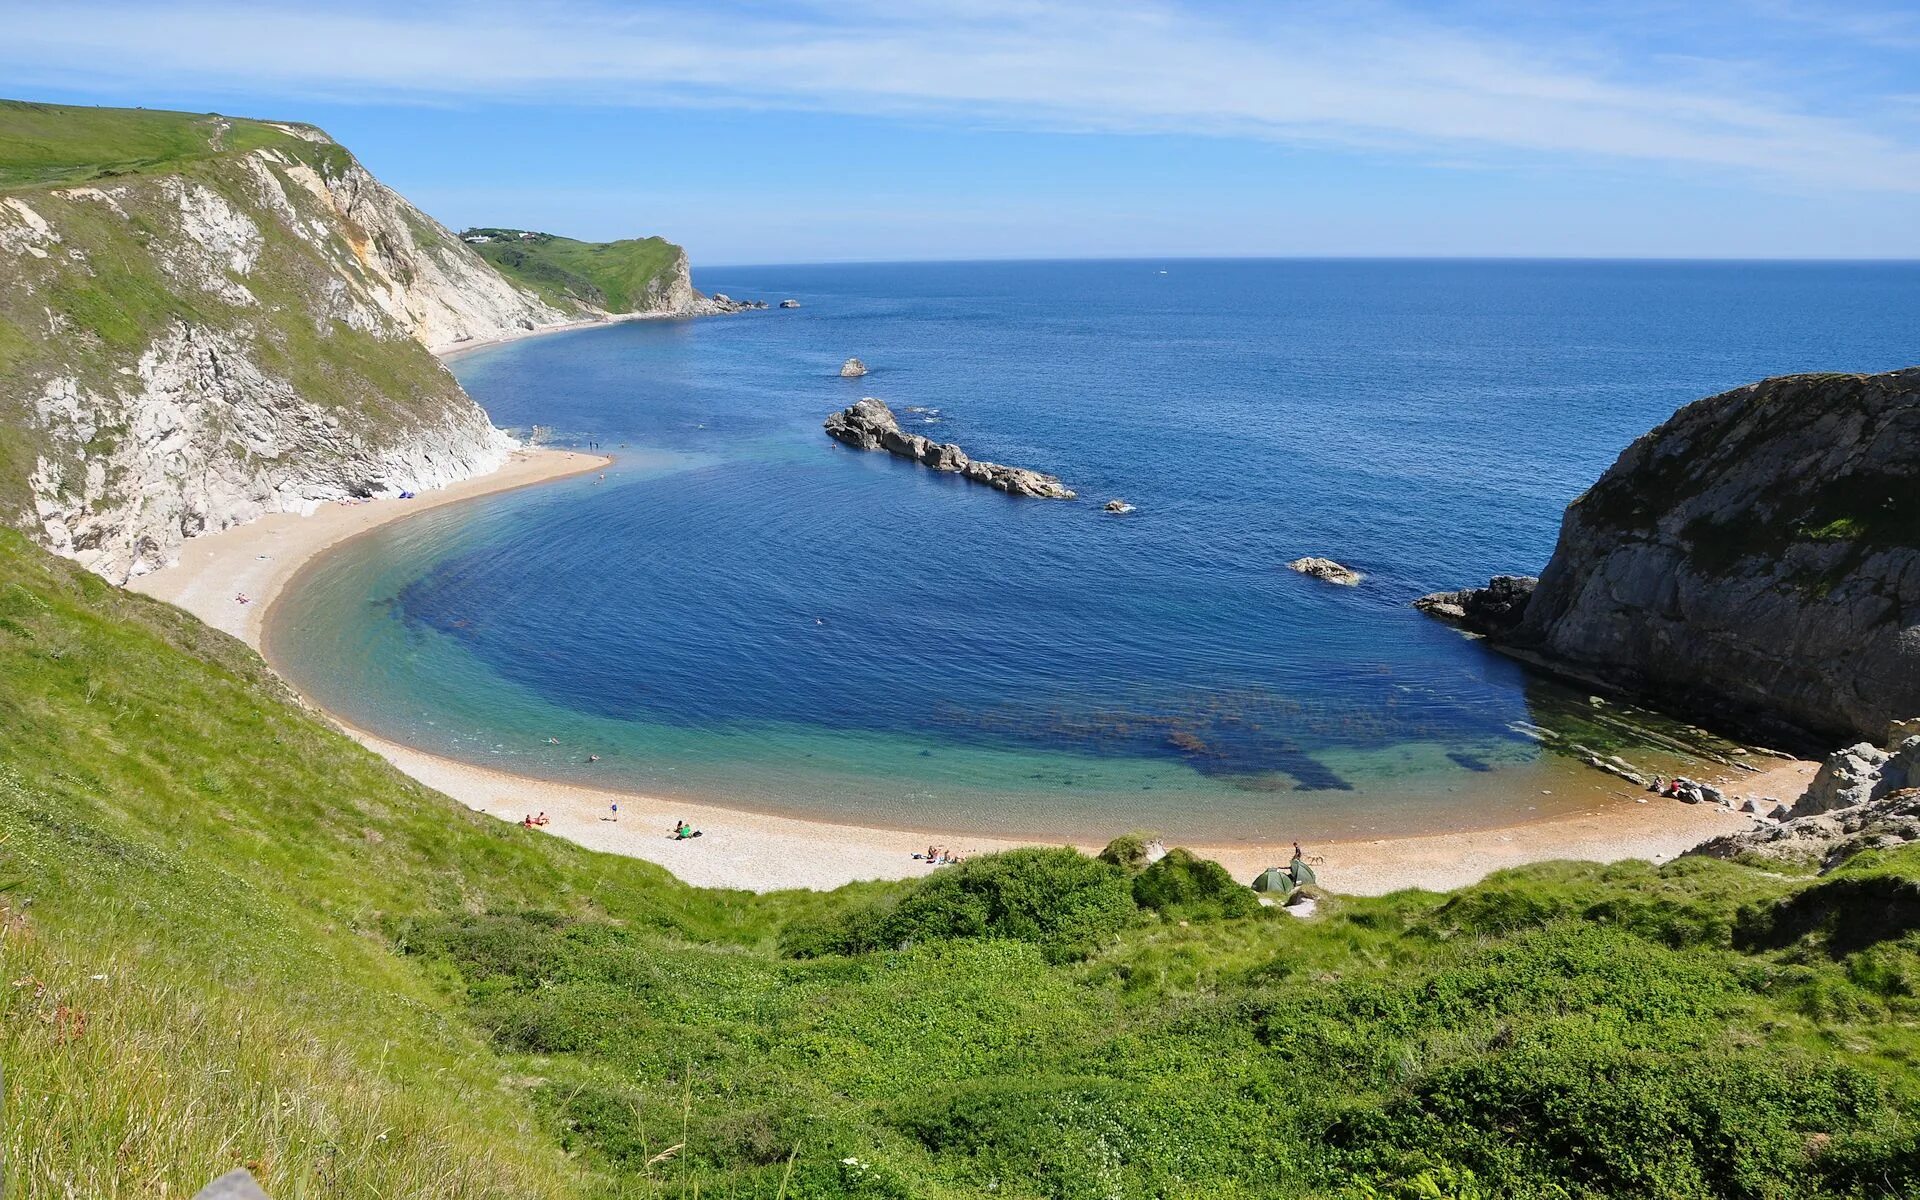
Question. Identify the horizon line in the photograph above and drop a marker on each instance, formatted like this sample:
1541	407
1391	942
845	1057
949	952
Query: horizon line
1645	260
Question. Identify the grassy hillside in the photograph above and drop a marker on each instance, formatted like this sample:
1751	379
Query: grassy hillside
57	144
235	937
617	277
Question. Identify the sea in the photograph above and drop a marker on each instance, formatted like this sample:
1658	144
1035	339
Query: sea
744	612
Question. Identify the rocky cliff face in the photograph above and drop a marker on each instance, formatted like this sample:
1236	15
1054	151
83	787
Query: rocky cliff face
240	332
1755	559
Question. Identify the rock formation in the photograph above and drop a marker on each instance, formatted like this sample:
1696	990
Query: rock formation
1117	506
1863	798
870	425
1493	609
1755	561
789	304
853	368
1860	774
1327	569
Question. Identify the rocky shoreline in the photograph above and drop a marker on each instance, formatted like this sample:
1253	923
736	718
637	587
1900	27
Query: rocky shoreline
871	425
1754	562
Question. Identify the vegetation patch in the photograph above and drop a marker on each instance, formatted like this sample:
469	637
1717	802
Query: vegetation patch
616	277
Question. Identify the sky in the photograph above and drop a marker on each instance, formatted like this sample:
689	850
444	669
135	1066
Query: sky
804	131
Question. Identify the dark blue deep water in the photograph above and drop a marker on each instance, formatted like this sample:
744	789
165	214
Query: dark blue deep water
745	610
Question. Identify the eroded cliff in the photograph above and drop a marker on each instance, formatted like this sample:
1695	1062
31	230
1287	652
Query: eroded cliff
1756	559
235	323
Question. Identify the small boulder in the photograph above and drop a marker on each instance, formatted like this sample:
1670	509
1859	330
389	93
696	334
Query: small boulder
1118	506
853	368
789	304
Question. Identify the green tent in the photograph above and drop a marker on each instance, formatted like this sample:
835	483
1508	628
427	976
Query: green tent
1273	879
1302	873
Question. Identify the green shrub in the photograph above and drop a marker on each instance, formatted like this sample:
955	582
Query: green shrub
1129	851
1184	886
1057	899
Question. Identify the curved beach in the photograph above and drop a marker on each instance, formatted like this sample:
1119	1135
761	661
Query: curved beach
760	851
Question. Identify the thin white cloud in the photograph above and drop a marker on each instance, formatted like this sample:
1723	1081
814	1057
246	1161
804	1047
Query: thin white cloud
1346	75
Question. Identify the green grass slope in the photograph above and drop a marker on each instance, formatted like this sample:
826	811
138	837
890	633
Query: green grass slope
628	276
232	936
58	144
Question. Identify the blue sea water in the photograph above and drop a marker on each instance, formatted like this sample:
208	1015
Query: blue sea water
744	610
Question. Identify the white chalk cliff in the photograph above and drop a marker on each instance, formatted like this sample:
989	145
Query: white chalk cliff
189	346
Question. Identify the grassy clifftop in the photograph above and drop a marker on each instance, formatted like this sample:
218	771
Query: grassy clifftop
61	145
634	275
240	938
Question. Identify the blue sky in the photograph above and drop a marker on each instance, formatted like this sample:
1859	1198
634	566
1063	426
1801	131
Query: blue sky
903	129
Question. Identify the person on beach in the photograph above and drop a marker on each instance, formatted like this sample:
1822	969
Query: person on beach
616	811
682	831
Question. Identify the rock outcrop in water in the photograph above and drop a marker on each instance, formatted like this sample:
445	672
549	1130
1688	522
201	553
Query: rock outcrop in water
870	425
853	368
1326	569
1755	560
1493	609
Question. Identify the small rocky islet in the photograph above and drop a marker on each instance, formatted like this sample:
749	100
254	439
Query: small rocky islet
870	425
1315	567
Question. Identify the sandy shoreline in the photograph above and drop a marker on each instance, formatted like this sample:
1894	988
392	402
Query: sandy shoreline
762	851
455	349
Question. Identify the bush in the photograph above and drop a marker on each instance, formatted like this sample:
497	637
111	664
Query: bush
1183	885
1129	851
1057	899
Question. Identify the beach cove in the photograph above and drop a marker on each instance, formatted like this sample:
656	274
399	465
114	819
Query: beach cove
761	851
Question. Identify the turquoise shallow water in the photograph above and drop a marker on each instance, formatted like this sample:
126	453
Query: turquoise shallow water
744	611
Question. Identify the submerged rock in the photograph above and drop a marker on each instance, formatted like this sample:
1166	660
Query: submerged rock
853	368
789	304
1327	569
870	425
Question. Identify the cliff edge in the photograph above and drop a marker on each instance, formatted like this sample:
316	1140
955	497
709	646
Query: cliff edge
205	319
1755	560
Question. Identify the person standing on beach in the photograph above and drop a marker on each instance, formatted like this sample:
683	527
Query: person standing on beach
616	812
